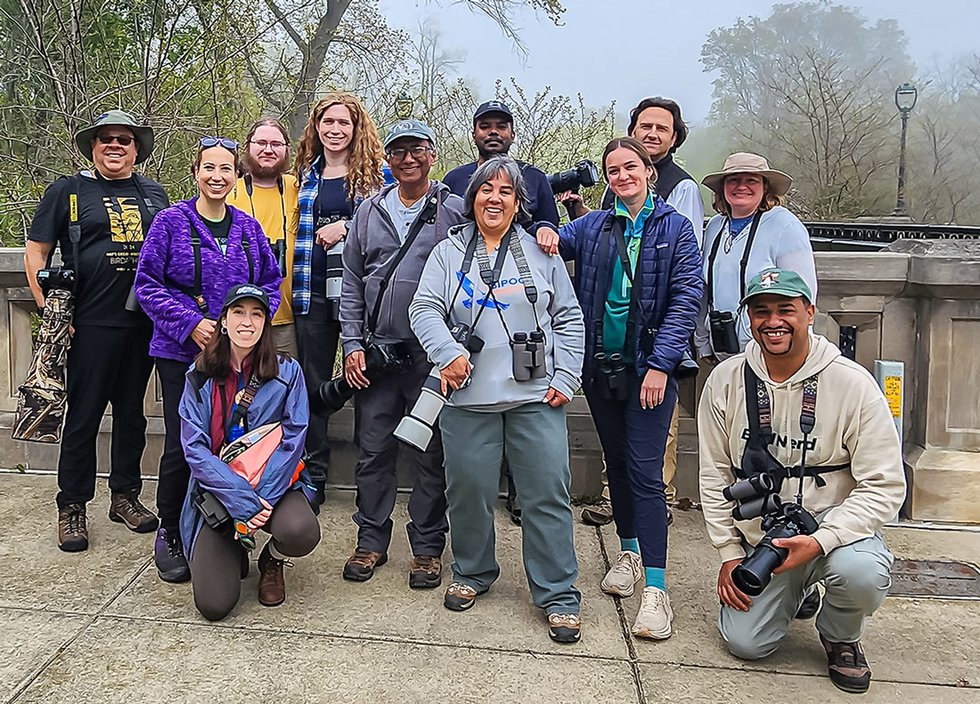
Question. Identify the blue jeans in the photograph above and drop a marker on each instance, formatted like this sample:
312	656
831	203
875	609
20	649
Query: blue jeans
535	436
633	442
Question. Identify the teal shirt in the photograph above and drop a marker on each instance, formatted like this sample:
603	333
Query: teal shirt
618	299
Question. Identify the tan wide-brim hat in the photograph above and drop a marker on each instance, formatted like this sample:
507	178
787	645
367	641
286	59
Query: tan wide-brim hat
746	163
116	118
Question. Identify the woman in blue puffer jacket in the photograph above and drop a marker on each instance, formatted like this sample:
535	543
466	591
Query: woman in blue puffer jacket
636	336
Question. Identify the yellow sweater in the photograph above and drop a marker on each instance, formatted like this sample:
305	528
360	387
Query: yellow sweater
265	205
853	426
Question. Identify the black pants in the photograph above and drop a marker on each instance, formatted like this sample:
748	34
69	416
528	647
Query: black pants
217	559
105	365
174	473
378	410
317	333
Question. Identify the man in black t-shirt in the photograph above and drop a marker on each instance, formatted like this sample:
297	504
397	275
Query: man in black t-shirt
109	358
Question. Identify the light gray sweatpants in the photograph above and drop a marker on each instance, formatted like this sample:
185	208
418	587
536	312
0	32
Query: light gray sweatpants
856	578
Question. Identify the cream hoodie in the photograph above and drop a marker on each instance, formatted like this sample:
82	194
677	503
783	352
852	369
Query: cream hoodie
853	426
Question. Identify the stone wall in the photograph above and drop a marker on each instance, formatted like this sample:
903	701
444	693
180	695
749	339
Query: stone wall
917	302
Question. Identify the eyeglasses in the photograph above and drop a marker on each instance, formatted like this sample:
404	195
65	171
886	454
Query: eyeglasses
208	142
123	140
264	144
400	153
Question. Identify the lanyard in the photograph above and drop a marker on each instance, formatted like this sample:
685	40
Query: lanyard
743	264
527	279
614	227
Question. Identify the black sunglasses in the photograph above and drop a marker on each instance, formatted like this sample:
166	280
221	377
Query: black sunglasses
208	142
124	140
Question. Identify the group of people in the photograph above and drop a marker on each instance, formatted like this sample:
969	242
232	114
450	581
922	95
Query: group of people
454	310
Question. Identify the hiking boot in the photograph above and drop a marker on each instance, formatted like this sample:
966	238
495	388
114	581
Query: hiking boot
272	583
564	628
425	572
655	615
125	507
847	666
598	514
810	605
459	597
72	532
360	566
168	554
622	577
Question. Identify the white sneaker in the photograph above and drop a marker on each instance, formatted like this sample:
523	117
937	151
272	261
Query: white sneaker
655	615
622	577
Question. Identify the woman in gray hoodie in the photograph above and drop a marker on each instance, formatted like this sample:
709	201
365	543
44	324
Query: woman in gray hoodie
500	321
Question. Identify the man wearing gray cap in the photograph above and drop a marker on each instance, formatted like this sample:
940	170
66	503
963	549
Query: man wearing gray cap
390	238
99	218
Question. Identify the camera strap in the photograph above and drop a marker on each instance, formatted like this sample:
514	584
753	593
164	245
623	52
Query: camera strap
527	281
743	264
613	228
427	215
241	410
278	248
74	231
196	291
464	269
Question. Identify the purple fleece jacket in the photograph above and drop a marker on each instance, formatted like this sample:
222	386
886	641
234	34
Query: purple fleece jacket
166	266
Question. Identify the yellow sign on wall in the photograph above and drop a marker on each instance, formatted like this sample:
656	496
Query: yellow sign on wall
893	392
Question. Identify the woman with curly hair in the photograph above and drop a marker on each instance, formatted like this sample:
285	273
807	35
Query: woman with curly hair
338	164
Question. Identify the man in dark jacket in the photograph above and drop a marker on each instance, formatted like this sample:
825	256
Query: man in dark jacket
390	239
109	209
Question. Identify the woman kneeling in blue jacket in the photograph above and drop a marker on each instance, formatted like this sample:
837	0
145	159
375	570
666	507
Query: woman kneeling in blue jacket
244	415
635	339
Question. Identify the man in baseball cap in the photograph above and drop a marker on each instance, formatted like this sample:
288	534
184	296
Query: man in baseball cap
791	403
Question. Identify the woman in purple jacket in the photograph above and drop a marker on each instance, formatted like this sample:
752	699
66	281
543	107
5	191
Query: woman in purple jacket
194	252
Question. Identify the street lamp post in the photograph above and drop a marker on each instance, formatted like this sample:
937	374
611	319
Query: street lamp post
403	106
905	97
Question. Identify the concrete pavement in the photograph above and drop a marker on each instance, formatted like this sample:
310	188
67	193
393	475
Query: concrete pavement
101	627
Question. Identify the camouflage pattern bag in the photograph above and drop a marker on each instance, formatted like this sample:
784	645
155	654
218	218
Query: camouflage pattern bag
42	396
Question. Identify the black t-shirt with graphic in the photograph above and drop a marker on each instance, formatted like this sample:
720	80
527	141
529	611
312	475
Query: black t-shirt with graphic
220	229
114	220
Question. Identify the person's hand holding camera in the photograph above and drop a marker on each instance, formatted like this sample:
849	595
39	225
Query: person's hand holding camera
802	549
455	375
728	593
331	233
354	368
573	201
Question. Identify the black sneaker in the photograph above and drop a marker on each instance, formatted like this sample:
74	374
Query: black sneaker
847	666
810	605
564	628
72	529
168	554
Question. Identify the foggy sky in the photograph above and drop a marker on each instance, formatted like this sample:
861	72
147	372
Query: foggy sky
624	50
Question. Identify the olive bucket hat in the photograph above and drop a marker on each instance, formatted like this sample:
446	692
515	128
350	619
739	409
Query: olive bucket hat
116	118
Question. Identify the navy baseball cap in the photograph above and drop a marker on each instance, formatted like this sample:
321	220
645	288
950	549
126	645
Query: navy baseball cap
243	291
493	106
409	128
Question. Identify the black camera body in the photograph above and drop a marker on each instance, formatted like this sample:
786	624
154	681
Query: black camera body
757	496
611	377
724	336
56	277
583	175
379	359
528	350
464	335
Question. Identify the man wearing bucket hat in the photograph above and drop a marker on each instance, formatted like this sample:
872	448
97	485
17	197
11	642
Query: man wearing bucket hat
792	401
99	218
390	238
752	231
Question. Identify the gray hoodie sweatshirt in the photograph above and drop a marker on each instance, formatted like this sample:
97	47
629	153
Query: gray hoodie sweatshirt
371	246
492	386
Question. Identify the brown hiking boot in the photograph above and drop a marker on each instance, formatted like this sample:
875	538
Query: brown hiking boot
126	508
72	533
597	514
360	566
847	666
272	583
425	572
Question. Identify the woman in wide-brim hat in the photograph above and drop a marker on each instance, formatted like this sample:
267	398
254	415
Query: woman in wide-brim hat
751	232
143	134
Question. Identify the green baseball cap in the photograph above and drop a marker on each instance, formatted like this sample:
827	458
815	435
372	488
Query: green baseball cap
780	282
116	118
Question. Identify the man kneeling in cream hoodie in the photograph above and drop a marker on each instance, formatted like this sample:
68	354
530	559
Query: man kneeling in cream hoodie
853	482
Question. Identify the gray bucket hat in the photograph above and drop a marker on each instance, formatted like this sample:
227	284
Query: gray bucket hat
116	118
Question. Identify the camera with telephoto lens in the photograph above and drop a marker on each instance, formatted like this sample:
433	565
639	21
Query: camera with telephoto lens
583	175
528	350
417	427
756	496
724	337
379	359
56	277
611	376
335	268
